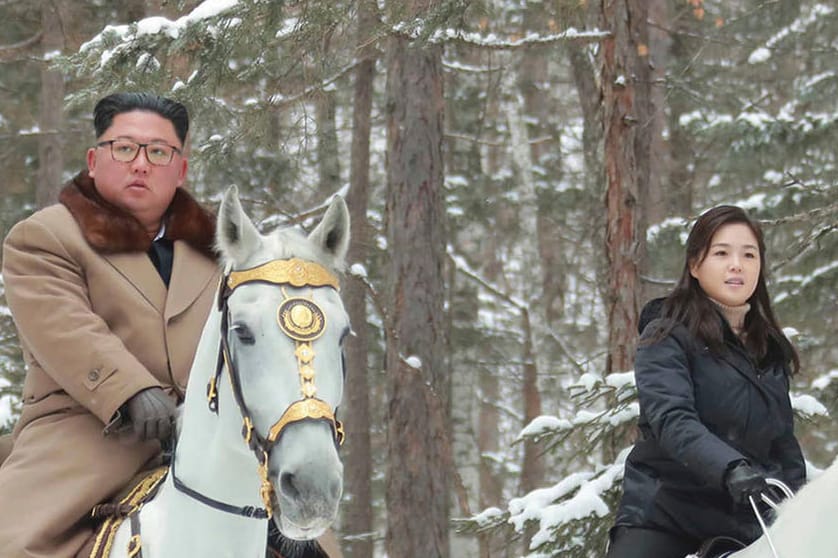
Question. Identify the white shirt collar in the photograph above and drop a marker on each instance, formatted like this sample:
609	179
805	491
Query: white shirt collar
161	233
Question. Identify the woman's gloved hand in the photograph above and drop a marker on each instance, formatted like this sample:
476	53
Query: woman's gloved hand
743	481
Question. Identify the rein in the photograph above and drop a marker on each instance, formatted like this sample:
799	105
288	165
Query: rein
773	505
302	320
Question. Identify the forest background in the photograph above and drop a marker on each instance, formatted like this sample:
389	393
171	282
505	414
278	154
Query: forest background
521	176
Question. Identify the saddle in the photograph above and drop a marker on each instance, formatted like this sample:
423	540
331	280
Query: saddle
110	515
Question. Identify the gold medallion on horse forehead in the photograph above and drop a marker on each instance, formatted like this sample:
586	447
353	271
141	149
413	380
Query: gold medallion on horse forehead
301	319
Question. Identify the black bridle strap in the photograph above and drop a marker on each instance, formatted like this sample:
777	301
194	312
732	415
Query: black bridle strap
254	441
245	511
257	444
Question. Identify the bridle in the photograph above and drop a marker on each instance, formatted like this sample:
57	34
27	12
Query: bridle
302	320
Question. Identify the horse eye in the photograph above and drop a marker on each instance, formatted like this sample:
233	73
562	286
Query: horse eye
244	334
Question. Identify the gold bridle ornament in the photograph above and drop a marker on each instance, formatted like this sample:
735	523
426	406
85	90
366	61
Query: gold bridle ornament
294	272
302	320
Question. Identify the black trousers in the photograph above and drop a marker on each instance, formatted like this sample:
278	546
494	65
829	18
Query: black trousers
636	542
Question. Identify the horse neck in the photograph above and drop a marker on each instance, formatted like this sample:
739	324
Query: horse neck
211	455
806	523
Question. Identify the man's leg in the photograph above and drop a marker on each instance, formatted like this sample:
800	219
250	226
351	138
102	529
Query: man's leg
60	467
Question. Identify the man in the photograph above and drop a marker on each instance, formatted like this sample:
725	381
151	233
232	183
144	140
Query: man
109	290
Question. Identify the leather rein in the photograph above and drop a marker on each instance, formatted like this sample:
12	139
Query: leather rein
302	320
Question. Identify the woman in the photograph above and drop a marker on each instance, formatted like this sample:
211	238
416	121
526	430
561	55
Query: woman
712	373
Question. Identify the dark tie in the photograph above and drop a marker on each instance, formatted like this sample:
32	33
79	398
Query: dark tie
161	253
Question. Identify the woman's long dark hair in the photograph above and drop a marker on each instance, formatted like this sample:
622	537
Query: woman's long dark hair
688	304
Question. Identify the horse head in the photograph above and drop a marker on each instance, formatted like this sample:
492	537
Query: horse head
283	326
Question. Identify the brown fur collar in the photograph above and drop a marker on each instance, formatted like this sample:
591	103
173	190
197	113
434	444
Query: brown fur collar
109	229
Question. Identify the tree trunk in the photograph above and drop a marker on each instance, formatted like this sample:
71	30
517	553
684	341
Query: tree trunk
135	10
625	83
546	156
655	206
491	486
327	144
584	77
589	93
50	152
358	512
532	469
683	42
417	492
653	188
544	169
491	544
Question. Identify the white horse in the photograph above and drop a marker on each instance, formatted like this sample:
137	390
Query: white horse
263	441
805	524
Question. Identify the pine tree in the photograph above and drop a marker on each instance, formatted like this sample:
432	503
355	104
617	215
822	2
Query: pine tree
746	91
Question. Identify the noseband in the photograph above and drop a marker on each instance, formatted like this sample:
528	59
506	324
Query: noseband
302	320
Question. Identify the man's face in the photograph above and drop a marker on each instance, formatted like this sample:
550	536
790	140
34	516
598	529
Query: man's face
142	189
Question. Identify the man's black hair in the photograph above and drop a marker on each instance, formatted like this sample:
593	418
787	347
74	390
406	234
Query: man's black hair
117	103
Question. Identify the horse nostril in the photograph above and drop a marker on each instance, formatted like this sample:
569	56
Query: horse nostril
335	489
287	485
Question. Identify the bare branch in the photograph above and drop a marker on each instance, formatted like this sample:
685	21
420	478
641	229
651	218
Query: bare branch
11	52
279	101
804	216
510	299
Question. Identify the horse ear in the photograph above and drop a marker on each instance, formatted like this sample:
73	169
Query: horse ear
236	235
332	233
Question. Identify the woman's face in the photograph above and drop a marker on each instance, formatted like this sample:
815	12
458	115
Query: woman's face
730	269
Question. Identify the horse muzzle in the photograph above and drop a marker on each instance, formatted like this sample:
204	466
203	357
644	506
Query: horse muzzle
307	487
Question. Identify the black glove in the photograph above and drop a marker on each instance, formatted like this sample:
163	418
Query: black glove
743	481
152	414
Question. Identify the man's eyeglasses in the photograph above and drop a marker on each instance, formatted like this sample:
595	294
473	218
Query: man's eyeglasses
125	151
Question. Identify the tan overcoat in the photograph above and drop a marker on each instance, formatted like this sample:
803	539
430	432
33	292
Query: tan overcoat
96	325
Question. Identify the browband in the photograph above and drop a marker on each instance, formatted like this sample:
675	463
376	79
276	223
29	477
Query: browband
294	272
